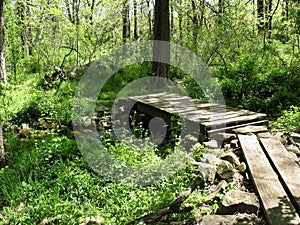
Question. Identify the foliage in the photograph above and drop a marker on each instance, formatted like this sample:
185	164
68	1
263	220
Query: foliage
289	121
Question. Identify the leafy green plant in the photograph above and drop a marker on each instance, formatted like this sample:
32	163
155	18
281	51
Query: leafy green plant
289	120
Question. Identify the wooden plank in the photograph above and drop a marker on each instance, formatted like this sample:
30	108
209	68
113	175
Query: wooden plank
217	116
287	168
230	128
276	204
236	120
251	129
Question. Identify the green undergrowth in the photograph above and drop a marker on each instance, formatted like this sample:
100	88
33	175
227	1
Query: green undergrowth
49	178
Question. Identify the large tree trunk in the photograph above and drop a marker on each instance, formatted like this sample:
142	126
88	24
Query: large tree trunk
126	21
161	52
2	47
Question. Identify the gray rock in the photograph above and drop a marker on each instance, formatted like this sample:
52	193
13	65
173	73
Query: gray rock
264	135
242	167
219	187
281	137
227	147
239	201
294	149
225	170
234	143
231	157
295	137
224	137
207	170
211	144
189	141
236	219
210	158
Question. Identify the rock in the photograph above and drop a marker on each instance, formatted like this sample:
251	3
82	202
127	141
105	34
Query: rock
294	149
231	157
189	141
211	144
230	219
210	158
242	167
239	201
281	137
227	147
239	178
295	137
207	170
265	135
25	130
224	137
220	187
225	170
250	129
234	143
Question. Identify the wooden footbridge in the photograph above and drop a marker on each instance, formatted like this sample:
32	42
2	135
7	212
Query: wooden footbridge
275	174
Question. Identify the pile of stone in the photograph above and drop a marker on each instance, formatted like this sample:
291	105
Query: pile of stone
221	164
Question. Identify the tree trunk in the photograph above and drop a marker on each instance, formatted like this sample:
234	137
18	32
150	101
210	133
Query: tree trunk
180	23
126	21
220	11
195	23
22	13
260	14
136	32
149	18
161	52
2	47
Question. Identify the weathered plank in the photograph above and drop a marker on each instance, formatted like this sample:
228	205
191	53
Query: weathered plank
236	120
260	122
288	169
277	207
251	129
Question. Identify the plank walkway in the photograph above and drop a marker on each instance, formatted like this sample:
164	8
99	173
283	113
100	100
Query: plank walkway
210	117
276	177
275	174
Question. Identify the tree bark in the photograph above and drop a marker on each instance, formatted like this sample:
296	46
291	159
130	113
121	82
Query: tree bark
161	51
149	18
2	47
22	13
126	21
136	32
260	14
195	23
